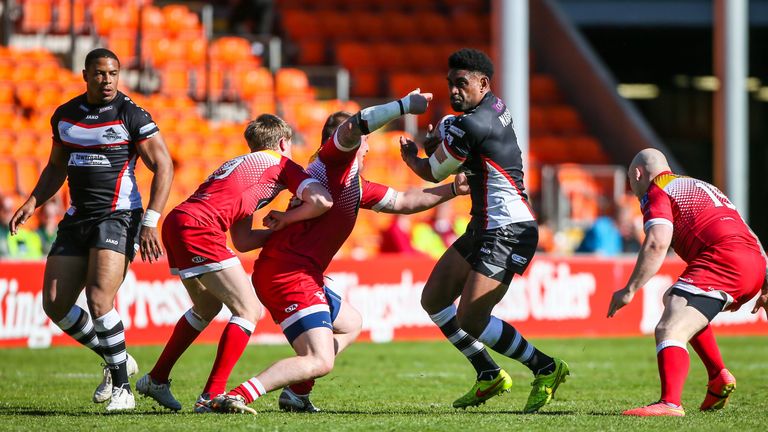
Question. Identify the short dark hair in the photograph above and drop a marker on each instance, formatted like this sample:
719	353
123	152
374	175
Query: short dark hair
332	122
100	53
265	132
471	60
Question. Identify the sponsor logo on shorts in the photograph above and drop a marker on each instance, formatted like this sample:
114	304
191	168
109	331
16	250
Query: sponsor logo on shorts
519	259
321	296
686	280
112	241
291	308
485	251
198	259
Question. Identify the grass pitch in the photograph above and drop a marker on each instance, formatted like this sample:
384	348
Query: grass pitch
391	387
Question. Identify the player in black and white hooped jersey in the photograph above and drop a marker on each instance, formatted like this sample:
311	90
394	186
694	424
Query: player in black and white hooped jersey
97	138
500	240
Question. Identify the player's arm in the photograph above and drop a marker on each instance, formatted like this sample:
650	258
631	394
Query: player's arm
416	200
50	181
438	166
369	119
154	154
316	200
245	238
658	238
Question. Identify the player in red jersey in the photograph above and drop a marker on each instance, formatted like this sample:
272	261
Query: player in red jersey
288	276
194	235
726	267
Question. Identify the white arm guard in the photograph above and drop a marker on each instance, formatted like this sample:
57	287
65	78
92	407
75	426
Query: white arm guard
442	163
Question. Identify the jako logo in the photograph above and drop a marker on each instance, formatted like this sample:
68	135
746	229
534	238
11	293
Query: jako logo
111	241
198	259
291	308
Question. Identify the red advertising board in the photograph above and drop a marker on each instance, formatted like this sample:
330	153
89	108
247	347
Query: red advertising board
558	296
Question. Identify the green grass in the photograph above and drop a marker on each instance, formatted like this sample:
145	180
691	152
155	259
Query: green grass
394	387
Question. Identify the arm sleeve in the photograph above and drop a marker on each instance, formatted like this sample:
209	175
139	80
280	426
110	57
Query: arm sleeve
453	150
332	153
375	196
656	207
55	137
294	177
139	122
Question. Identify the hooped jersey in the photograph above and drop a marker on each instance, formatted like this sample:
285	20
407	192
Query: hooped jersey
698	212
100	142
243	185
314	242
484	142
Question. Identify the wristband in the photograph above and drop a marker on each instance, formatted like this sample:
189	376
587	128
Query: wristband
405	104
453	189
151	218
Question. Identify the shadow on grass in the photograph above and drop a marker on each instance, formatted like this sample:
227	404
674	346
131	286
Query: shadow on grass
25	411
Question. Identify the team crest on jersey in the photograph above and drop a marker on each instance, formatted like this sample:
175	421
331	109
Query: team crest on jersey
111	135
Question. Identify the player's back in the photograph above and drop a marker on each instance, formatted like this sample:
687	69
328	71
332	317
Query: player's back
701	214
241	186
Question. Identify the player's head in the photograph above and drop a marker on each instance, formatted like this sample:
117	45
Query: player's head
101	73
269	132
469	78
646	165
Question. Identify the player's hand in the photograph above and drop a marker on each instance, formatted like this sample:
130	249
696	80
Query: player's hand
22	215
275	220
418	101
620	299
149	244
762	303
408	150
461	184
431	142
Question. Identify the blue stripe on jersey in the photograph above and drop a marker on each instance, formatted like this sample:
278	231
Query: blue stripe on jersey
314	320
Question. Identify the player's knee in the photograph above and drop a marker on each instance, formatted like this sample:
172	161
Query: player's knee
53	310
321	365
664	330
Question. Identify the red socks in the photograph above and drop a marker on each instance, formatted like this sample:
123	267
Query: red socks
231	346
673	369
303	388
705	345
182	337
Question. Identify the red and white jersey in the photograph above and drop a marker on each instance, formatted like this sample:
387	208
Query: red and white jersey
314	242
699	213
242	185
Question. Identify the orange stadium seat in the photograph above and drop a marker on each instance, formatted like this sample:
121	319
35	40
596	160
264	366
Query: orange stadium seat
231	50
335	26
390	56
301	25
174	79
312	52
400	26
564	119
65	17
27	173
433	26
152	19
180	20
424	57
473	28
37	16
544	90
123	44
537	120
6	93
368	26
254	83
7	176
355	55
291	82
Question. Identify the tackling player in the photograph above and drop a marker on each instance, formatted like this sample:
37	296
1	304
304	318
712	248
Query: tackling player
194	234
500	241
726	267
288	276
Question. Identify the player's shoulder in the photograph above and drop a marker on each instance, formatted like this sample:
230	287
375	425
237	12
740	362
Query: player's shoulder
468	123
665	179
72	107
125	104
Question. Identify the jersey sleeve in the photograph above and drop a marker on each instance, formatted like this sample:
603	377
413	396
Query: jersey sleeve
294	177
55	136
657	208
139	122
334	154
460	139
375	196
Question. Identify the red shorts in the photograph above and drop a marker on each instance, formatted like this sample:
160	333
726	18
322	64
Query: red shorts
733	272
289	292
195	248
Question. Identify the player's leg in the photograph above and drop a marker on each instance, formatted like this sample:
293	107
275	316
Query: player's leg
443	287
314	358
678	323
106	271
347	323
156	384
232	287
